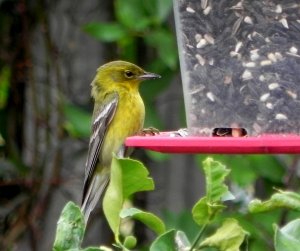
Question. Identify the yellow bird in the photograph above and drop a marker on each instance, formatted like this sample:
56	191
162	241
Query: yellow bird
119	112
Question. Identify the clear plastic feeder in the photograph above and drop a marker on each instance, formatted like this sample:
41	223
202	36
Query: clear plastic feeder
240	65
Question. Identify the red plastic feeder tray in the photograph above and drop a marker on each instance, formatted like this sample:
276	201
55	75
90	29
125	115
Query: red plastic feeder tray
266	144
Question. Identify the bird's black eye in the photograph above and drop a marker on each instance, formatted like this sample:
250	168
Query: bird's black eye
129	74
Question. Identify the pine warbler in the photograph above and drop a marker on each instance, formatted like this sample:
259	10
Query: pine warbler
118	113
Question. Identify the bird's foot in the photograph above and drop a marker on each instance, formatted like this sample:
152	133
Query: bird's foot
150	131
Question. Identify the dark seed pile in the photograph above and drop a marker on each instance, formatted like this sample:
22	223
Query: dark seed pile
241	64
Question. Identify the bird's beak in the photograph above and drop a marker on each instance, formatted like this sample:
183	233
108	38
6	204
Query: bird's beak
149	75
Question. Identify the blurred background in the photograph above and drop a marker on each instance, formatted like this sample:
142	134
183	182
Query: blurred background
49	53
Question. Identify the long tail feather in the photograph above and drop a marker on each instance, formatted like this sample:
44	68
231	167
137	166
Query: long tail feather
95	190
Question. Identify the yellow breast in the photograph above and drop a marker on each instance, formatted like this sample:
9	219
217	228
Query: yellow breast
128	120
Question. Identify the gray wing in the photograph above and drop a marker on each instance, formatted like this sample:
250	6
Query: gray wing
102	119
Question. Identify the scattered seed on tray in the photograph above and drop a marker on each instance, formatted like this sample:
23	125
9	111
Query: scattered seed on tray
241	64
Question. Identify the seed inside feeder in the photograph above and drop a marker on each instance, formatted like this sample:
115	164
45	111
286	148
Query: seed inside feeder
210	96
207	10
293	50
201	43
273	86
264	97
247	75
280	116
190	10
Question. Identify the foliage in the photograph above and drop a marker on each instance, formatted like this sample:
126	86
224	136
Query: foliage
207	207
4	86
229	237
70	228
127	177
288	237
281	199
230	233
77	121
139	19
252	167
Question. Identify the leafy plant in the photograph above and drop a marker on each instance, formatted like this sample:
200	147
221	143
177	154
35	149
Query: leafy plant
288	237
229	233
128	177
135	20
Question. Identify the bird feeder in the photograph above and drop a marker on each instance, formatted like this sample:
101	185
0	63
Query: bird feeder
240	68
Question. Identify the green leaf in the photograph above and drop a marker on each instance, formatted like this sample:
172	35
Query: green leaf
163	40
77	121
149	219
91	249
216	191
183	221
159	9
164	242
128	48
228	237
288	237
2	141
236	163
163	9
203	211
253	166
113	198
70	228
4	85
94	249
215	174
281	199
181	241
132	14
106	32
134	177
104	248
127	177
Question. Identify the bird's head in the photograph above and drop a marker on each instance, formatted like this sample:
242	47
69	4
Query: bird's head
120	74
